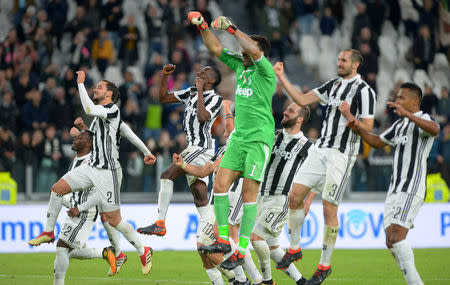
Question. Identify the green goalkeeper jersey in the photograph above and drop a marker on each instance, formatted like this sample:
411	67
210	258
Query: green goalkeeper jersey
255	86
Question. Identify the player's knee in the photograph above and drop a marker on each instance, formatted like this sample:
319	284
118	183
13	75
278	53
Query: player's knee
166	175
295	202
273	247
254	237
61	243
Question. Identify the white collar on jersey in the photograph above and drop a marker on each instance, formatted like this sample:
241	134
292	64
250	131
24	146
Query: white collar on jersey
345	81
418	113
82	157
295	136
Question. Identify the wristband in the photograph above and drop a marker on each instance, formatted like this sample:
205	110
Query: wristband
203	26
231	29
228	116
184	165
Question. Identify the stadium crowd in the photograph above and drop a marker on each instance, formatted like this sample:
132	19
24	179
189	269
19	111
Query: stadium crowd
43	43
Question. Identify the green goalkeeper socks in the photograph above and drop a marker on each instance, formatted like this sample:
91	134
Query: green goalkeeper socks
248	221
221	208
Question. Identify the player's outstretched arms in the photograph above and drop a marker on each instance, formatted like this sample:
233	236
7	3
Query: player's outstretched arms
164	96
197	171
88	106
210	40
298	97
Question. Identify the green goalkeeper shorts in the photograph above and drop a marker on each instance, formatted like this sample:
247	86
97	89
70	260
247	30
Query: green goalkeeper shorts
250	158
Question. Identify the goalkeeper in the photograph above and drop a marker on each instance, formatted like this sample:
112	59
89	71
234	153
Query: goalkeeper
249	149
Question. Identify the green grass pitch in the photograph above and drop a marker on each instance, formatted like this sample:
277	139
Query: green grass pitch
184	267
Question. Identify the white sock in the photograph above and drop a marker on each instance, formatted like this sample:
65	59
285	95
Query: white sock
292	271
250	268
238	271
60	265
205	212
130	234
215	276
113	236
263	253
54	207
86	253
295	223
329	239
404	256
227	273
165	195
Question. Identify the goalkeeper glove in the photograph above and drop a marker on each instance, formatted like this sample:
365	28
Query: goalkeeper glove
222	23
197	19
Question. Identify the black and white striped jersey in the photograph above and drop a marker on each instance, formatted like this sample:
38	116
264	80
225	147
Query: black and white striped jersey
288	153
199	134
412	147
74	199
362	100
106	141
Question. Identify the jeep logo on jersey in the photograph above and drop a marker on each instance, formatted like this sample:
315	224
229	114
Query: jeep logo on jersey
400	140
247	92
335	102
281	152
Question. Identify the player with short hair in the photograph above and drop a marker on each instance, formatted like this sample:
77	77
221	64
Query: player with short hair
250	146
331	159
412	136
289	152
202	107
103	169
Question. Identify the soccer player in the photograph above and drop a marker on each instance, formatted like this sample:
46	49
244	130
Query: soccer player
103	169
202	107
412	136
250	146
329	163
289	151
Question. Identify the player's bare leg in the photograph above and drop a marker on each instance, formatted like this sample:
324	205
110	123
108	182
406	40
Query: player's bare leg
58	190
165	195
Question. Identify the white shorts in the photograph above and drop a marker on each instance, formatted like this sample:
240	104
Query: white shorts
235	198
106	181
326	171
198	156
401	209
76	231
205	229
272	216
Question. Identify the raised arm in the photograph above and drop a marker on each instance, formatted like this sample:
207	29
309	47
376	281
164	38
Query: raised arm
202	114
298	97
229	119
430	127
164	96
210	40
88	106
126	131
197	171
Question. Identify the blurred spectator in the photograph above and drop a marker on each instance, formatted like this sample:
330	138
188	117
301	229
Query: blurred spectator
174	15
394	14
130	113
112	14
78	23
7	150
149	171
366	37
26	158
154	22
27	25
174	125
43	45
80	51
337	9
67	154
360	21
444	105
430	102
57	13
444	152
22	88
152	109
93	14
276	28
375	11
130	37
51	155
423	49
183	62
60	112
103	51
278	101
34	112
306	11
9	113
154	64
49	89
369	68
444	28
43	22
327	22
11	46
428	14
5	85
